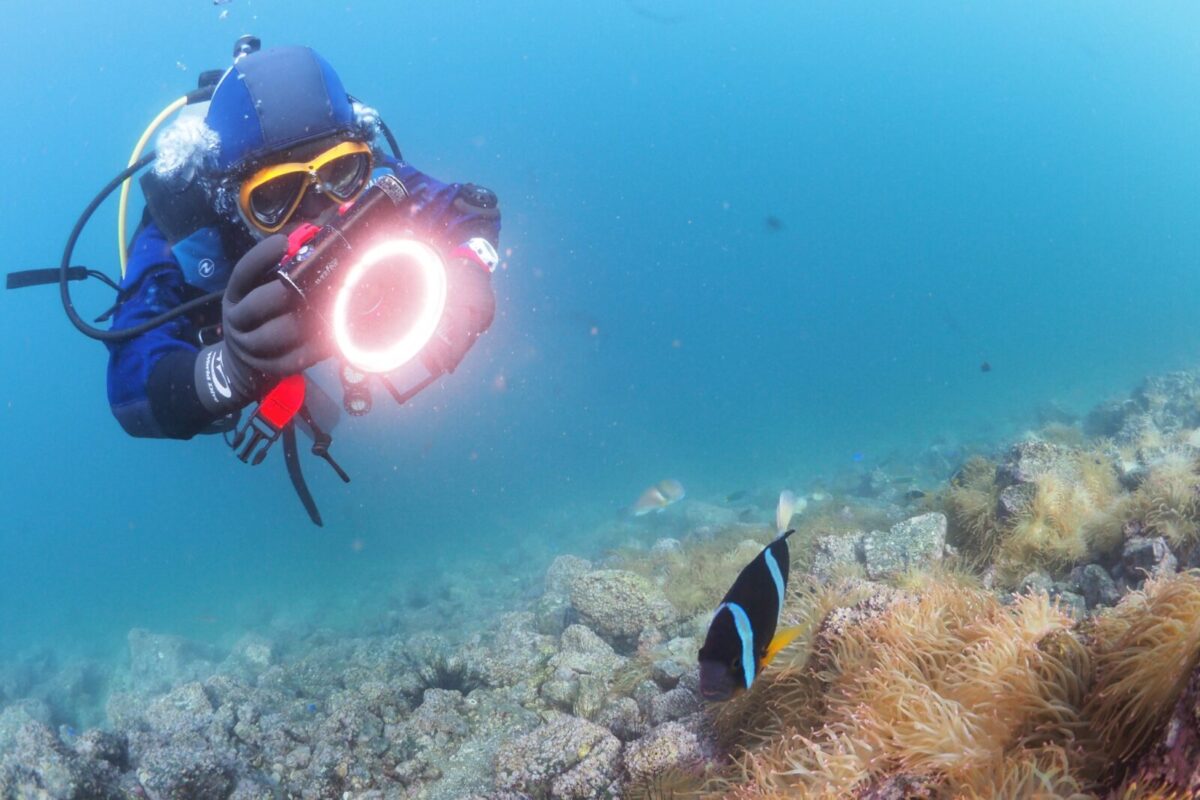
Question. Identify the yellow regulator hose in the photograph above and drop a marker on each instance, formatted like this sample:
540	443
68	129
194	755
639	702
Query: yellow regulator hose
123	209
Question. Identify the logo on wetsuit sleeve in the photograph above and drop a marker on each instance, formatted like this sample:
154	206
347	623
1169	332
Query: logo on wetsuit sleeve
214	373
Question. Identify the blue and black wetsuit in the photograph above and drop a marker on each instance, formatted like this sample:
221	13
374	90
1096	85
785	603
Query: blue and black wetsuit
150	378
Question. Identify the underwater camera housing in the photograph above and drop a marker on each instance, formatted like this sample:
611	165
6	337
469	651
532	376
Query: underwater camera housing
381	290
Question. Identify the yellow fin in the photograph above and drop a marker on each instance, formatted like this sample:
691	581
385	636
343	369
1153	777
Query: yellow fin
782	639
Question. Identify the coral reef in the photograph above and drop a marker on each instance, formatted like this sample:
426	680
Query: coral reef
1030	629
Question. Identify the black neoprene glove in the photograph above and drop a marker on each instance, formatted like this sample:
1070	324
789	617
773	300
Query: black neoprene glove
268	333
470	308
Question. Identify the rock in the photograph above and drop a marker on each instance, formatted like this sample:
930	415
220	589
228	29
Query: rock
1145	557
565	758
511	651
562	571
675	659
1072	603
552	614
618	604
584	652
668	746
1013	500
667	672
623	717
251	654
100	745
433	661
185	708
19	714
1135	431
439	718
1096	585
675	704
158	662
1029	460
184	772
1105	419
835	553
1036	582
912	543
560	689
644	694
1131	474
1171	400
581	672
34	763
253	789
590	697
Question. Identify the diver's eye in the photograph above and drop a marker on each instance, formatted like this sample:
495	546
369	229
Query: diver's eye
272	200
344	177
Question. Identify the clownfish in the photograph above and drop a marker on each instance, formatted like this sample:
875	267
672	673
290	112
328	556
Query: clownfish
741	638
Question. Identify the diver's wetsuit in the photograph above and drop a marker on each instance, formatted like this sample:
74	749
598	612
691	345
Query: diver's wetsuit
150	377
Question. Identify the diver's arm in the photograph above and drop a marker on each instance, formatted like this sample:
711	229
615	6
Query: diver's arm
142	388
464	220
453	212
161	385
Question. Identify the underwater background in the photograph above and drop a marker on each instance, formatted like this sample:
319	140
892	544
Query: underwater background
745	246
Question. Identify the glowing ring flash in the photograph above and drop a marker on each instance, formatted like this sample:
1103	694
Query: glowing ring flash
415	334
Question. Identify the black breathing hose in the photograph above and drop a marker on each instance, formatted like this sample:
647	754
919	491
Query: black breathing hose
64	291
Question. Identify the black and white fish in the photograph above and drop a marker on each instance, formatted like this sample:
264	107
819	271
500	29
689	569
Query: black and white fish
741	638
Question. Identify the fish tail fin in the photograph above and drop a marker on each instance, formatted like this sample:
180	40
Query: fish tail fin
782	639
784	535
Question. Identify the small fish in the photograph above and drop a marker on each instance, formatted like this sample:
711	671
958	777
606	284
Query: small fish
773	223
789	506
733	497
741	638
914	494
985	367
857	457
658	497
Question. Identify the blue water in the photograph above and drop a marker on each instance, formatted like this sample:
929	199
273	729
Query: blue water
954	183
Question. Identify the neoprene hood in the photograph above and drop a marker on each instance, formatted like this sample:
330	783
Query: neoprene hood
273	100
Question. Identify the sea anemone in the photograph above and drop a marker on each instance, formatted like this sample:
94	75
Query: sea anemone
1167	503
1048	530
674	783
1146	649
971	509
947	687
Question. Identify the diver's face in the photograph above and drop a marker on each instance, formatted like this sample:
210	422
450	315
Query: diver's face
301	184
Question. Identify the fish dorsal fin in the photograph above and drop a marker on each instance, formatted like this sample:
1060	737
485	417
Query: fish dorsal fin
782	639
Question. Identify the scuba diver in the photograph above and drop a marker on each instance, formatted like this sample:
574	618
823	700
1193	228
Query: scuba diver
255	201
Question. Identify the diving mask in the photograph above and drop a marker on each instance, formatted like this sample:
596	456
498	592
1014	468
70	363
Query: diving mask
270	196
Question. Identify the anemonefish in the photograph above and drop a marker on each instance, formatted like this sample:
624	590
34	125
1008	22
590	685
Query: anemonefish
741	638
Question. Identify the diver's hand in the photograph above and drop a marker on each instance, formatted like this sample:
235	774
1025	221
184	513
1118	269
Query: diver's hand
470	308
268	334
